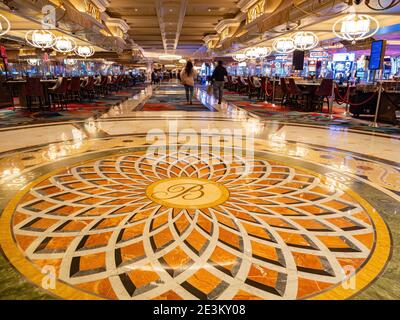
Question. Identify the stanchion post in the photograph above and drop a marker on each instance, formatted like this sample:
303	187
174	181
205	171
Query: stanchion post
332	98
347	112
273	90
378	103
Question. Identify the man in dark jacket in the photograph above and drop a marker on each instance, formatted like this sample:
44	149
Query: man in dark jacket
219	80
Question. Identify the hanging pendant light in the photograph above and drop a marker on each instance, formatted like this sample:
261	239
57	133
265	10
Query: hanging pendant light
33	62
42	39
354	27
240	57
64	44
85	51
5	25
70	62
305	40
263	52
251	54
284	45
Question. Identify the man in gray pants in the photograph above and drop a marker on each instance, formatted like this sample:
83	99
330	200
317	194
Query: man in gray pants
219	80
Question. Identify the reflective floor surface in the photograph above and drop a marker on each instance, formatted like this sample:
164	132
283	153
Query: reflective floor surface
217	203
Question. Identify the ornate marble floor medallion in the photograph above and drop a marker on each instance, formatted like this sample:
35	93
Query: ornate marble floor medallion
179	227
187	193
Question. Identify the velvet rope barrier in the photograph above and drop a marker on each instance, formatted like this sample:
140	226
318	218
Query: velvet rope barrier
346	101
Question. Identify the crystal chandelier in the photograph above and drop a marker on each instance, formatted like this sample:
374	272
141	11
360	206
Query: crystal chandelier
33	62
42	39
263	52
5	25
85	51
354	27
64	44
240	57
305	40
284	45
70	62
251	54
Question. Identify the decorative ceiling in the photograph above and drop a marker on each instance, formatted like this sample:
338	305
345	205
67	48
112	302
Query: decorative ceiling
169	25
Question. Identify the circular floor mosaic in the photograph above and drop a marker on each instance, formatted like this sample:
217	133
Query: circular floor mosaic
183	227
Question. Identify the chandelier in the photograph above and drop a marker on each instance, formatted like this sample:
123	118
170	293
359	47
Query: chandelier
263	52
85	51
70	62
240	57
64	44
305	40
354	27
251	54
42	39
170	57
284	45
33	62
182	61
5	25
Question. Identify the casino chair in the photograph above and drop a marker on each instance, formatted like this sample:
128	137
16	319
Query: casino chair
285	92
242	85
58	94
34	91
298	96
324	91
89	89
252	89
74	89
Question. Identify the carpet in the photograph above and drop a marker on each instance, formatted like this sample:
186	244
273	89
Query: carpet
77	111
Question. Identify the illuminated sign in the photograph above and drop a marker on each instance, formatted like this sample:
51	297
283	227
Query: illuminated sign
255	11
319	54
378	49
344	57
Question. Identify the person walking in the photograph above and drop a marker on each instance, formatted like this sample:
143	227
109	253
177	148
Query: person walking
218	77
187	78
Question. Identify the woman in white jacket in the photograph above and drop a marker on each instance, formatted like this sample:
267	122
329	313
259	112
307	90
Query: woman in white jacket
187	78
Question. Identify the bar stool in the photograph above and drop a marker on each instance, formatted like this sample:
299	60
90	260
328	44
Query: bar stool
89	88
34	90
58	93
295	92
324	91
74	89
285	92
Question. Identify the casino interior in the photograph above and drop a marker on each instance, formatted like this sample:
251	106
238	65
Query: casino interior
275	176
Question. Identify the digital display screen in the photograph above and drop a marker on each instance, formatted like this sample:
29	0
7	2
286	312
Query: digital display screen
377	54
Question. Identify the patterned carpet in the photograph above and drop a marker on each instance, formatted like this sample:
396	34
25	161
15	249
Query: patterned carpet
277	112
78	111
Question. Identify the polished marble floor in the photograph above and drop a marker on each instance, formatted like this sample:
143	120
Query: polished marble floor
197	205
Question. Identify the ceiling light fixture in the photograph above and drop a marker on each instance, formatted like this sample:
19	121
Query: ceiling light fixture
70	62
182	61
5	25
85	51
64	44
305	40
354	27
240	57
263	52
170	57
284	45
33	62
251	54
42	39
